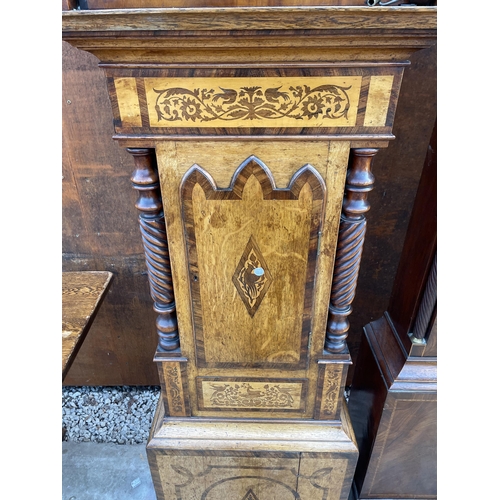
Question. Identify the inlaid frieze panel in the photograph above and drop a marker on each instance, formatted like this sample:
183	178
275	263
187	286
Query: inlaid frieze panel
243	102
252	251
253	394
333	101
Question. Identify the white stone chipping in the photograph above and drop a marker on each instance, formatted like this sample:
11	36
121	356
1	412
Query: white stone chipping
121	415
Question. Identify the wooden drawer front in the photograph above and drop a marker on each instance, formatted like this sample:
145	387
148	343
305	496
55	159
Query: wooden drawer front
252	394
326	101
287	476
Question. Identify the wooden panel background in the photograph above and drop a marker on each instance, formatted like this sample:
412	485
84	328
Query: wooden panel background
100	232
128	4
100	229
144	4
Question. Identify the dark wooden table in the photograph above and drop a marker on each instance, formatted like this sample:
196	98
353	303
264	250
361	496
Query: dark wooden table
82	296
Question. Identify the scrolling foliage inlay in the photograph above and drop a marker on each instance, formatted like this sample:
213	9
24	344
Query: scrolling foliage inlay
299	102
245	395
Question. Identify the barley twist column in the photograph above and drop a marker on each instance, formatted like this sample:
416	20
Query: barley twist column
427	305
359	183
154	238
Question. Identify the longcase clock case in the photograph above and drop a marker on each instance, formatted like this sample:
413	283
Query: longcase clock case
253	132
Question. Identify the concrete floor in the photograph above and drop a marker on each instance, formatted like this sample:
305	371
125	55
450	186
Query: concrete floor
105	471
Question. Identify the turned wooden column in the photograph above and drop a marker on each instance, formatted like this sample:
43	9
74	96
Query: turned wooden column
359	183
427	306
154	238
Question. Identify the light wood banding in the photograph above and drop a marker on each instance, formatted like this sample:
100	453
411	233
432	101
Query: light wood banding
128	102
330	391
379	98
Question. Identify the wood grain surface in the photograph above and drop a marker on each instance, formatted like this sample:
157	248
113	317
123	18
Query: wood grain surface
330	392
119	348
269	459
174	388
406	448
255	394
82	295
143	4
241	319
394	414
259	18
394	391
298	102
419	252
100	232
216	322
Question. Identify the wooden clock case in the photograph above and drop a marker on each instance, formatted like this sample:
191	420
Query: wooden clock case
253	132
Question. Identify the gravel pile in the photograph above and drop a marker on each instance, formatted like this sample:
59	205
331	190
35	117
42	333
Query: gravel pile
121	415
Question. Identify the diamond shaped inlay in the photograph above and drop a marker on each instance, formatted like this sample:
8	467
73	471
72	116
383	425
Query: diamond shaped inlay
252	278
250	495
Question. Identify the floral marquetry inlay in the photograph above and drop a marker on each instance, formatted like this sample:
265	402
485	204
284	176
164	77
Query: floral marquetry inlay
173	391
253	102
331	390
252	277
252	394
271	396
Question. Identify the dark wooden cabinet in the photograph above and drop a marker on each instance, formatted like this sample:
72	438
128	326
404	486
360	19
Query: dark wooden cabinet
393	400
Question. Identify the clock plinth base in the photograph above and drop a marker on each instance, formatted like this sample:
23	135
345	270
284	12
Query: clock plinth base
251	459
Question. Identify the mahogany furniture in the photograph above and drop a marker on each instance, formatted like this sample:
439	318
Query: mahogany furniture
82	296
393	399
253	132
